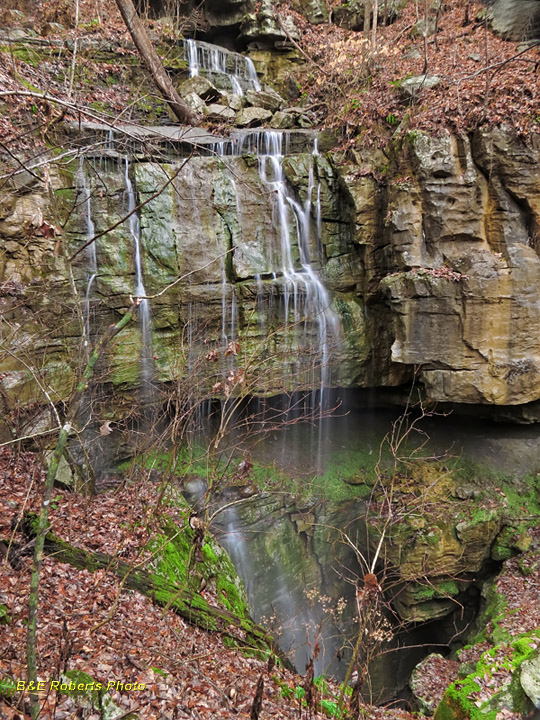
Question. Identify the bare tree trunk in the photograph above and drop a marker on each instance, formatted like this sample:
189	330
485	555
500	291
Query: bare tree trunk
374	26
367	17
152	61
425	34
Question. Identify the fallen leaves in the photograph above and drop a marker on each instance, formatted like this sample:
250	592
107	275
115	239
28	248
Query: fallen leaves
187	672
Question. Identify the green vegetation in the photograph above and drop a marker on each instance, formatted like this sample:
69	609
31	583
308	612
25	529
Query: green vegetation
179	562
195	461
25	53
444	588
328	704
5	617
496	668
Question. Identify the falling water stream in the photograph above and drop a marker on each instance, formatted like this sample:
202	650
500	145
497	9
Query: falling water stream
238	70
147	356
82	182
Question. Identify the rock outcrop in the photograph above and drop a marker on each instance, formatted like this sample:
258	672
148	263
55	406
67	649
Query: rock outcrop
464	227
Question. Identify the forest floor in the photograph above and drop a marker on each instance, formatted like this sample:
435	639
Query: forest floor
89	624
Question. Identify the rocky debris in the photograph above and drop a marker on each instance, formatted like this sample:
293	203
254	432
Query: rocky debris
194	102
350	14
236	102
217	113
499	668
529	679
282	120
202	87
262	30
315	11
516	20
199	90
422	27
429	680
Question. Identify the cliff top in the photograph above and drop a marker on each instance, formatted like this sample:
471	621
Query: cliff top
459	76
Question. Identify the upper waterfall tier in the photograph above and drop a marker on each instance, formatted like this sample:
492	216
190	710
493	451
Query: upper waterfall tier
225	68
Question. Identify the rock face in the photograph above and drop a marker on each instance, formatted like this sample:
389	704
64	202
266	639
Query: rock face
464	228
436	268
515	19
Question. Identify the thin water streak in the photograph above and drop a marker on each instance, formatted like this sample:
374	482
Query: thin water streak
147	357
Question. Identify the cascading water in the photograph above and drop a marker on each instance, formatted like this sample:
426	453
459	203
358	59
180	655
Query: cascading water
306	302
236	70
147	357
313	330
289	294
305	297
82	182
274	595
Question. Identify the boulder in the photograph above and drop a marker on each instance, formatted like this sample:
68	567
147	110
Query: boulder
252	117
261	29
315	11
515	20
236	102
268	99
193	101
217	112
350	14
421	27
410	87
282	120
530	679
426	693
202	87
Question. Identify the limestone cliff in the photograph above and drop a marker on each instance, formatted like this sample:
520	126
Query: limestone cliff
431	264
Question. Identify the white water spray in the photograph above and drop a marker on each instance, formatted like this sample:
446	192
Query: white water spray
90	231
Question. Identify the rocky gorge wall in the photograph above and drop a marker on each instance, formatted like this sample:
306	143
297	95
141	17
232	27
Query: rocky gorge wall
430	261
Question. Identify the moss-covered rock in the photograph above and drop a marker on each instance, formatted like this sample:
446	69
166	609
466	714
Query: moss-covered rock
493	685
184	564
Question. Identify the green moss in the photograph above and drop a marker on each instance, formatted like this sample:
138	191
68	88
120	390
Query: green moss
174	552
461	699
494	610
24	53
5	617
436	590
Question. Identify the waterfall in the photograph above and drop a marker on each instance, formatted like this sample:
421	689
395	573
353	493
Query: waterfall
234	541
274	594
238	70
90	231
306	302
305	297
147	356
